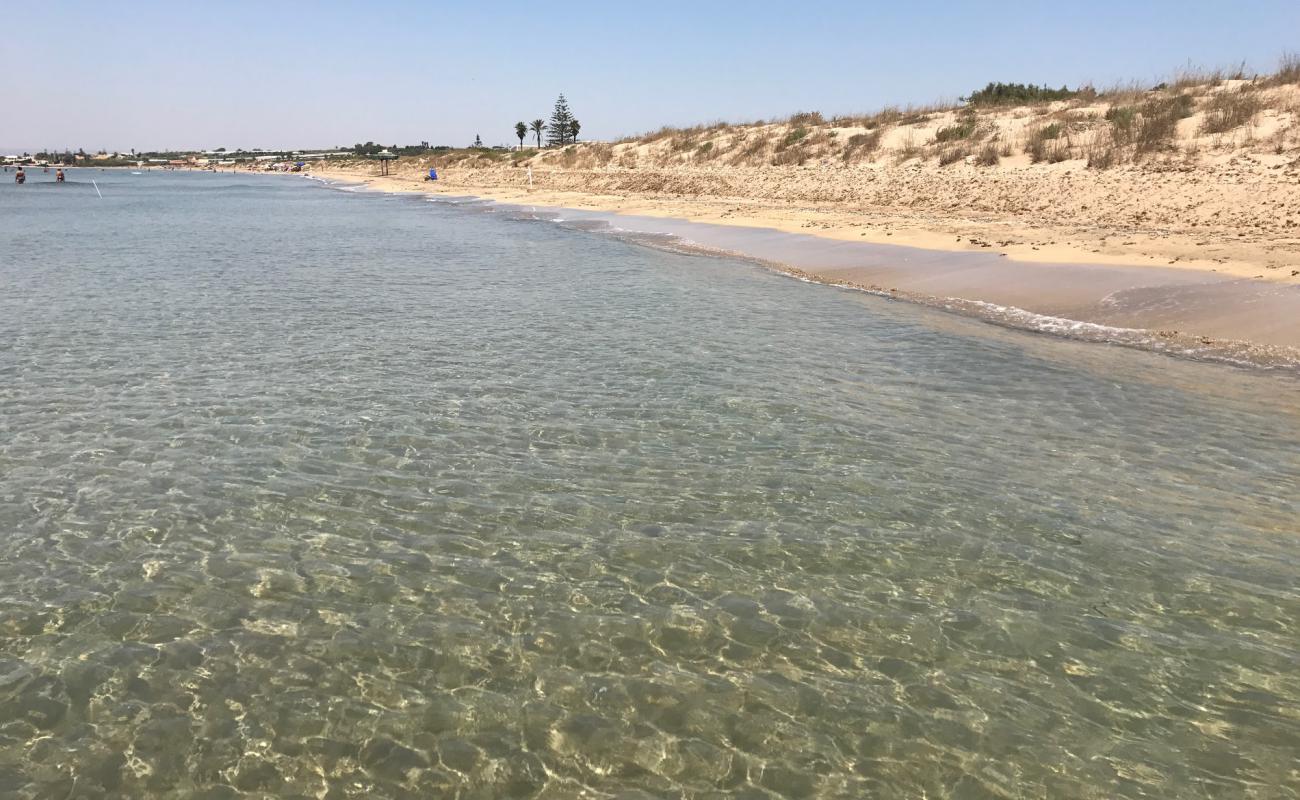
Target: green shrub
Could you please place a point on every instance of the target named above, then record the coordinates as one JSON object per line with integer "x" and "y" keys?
{"x": 792, "y": 138}
{"x": 1122, "y": 117}
{"x": 1158, "y": 122}
{"x": 1007, "y": 94}
{"x": 953, "y": 133}
{"x": 1043, "y": 145}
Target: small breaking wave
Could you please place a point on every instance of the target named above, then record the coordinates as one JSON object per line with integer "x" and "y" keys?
{"x": 1174, "y": 343}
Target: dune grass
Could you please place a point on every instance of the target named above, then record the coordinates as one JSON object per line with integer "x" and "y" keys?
{"x": 1231, "y": 109}
{"x": 964, "y": 129}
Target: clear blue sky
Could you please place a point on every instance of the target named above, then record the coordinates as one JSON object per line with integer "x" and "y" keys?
{"x": 155, "y": 75}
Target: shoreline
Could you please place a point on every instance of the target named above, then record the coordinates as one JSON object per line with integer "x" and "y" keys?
{"x": 1020, "y": 241}
{"x": 1211, "y": 315}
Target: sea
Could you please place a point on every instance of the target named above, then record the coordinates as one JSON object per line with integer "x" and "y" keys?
{"x": 308, "y": 491}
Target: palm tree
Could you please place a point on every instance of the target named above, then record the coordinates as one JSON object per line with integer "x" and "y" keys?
{"x": 574, "y": 127}
{"x": 537, "y": 127}
{"x": 521, "y": 130}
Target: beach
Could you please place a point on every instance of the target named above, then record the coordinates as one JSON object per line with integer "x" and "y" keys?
{"x": 1261, "y": 240}
{"x": 1219, "y": 286}
{"x": 1173, "y": 210}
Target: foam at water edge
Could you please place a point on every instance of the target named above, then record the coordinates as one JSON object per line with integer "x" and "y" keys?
{"x": 1225, "y": 351}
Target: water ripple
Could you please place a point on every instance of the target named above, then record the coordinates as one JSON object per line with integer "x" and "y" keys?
{"x": 339, "y": 496}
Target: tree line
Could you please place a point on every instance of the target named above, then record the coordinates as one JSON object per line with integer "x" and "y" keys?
{"x": 562, "y": 128}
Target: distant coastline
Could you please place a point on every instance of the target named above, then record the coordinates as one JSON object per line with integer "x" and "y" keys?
{"x": 1172, "y": 212}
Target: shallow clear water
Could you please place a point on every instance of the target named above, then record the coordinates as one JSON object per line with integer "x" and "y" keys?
{"x": 311, "y": 493}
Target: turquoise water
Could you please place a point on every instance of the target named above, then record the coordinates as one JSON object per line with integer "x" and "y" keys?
{"x": 310, "y": 493}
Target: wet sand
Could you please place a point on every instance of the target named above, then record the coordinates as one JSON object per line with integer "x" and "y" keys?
{"x": 1154, "y": 298}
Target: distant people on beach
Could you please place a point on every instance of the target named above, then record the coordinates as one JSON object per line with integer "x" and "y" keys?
{"x": 20, "y": 177}
{"x": 58, "y": 176}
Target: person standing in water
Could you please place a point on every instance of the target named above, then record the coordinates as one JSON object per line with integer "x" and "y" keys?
{"x": 20, "y": 177}
{"x": 58, "y": 176}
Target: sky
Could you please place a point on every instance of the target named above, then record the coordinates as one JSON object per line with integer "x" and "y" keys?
{"x": 273, "y": 74}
